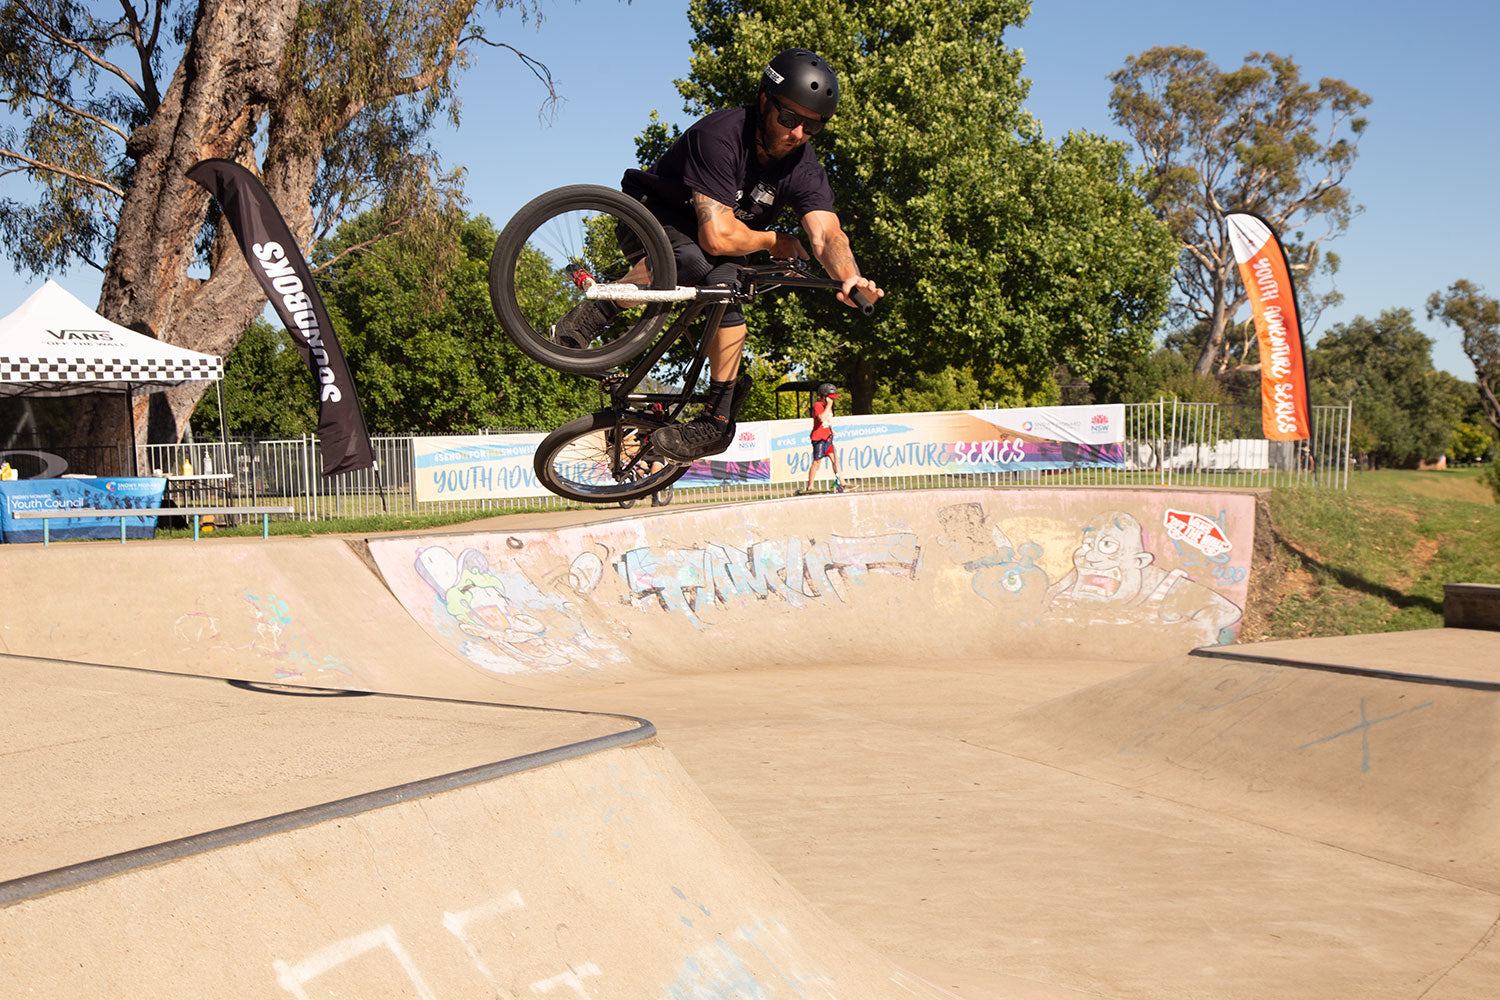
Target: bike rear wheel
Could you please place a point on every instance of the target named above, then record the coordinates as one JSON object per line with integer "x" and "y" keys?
{"x": 582, "y": 460}
{"x": 555, "y": 245}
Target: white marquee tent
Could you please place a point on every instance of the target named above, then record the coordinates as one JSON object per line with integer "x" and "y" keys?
{"x": 54, "y": 345}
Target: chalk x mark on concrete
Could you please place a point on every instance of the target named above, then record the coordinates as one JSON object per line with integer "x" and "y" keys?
{"x": 572, "y": 979}
{"x": 457, "y": 924}
{"x": 1365, "y": 722}
{"x": 293, "y": 978}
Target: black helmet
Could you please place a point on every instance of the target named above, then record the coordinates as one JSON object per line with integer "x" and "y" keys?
{"x": 828, "y": 389}
{"x": 802, "y": 76}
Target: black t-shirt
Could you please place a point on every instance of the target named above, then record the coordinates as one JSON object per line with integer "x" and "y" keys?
{"x": 716, "y": 157}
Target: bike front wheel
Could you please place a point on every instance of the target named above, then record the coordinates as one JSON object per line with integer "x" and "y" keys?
{"x": 558, "y": 244}
{"x": 603, "y": 458}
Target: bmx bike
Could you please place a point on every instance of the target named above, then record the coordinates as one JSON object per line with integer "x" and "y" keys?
{"x": 588, "y": 242}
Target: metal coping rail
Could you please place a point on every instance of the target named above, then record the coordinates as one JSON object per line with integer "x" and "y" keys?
{"x": 1377, "y": 673}
{"x": 56, "y": 880}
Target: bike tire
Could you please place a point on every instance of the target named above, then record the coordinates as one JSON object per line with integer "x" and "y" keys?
{"x": 577, "y": 461}
{"x": 585, "y": 228}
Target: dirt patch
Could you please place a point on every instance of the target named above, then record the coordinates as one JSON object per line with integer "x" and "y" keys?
{"x": 1422, "y": 553}
{"x": 1268, "y": 570}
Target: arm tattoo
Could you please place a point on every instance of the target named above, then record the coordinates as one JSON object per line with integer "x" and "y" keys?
{"x": 837, "y": 259}
{"x": 707, "y": 209}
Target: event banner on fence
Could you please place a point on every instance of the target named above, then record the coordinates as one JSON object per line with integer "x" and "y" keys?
{"x": 63, "y": 495}
{"x": 967, "y": 442}
{"x": 476, "y": 468}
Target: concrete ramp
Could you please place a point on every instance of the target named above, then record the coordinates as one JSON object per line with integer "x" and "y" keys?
{"x": 1382, "y": 745}
{"x": 601, "y": 877}
{"x": 595, "y": 872}
{"x": 963, "y": 722}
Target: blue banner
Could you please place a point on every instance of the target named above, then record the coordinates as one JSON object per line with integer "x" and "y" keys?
{"x": 62, "y": 495}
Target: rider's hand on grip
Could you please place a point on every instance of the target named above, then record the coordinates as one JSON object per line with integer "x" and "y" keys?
{"x": 865, "y": 305}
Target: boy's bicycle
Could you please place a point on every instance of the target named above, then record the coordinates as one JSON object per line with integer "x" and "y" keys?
{"x": 588, "y": 243}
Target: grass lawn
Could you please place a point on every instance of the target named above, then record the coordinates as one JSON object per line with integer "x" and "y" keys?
{"x": 1375, "y": 559}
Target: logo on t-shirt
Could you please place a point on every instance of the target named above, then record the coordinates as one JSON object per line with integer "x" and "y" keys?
{"x": 762, "y": 195}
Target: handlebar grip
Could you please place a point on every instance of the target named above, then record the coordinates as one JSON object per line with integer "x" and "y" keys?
{"x": 865, "y": 305}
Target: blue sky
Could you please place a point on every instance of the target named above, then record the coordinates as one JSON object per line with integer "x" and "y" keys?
{"x": 1426, "y": 164}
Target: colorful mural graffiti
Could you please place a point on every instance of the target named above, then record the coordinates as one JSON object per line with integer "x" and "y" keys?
{"x": 1048, "y": 563}
{"x": 687, "y": 580}
{"x": 1118, "y": 574}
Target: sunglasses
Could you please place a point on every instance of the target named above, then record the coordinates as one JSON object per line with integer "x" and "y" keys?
{"x": 791, "y": 119}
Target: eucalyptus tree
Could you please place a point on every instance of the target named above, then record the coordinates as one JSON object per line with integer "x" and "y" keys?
{"x": 1477, "y": 317}
{"x": 1404, "y": 408}
{"x": 111, "y": 102}
{"x": 1256, "y": 138}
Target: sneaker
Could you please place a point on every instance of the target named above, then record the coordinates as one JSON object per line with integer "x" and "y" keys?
{"x": 704, "y": 435}
{"x": 583, "y": 323}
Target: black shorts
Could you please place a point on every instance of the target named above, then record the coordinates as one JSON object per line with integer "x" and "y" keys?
{"x": 694, "y": 266}
{"x": 821, "y": 449}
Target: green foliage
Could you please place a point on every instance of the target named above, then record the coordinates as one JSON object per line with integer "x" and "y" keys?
{"x": 654, "y": 141}
{"x": 268, "y": 391}
{"x": 1141, "y": 377}
{"x": 1404, "y": 409}
{"x": 1492, "y": 479}
{"x": 1477, "y": 316}
{"x": 1000, "y": 252}
{"x": 423, "y": 342}
{"x": 930, "y": 392}
{"x": 1470, "y": 443}
{"x": 1255, "y": 138}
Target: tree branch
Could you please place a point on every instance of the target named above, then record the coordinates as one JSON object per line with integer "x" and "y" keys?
{"x": 538, "y": 69}
{"x": 355, "y": 248}
{"x": 71, "y": 109}
{"x": 144, "y": 48}
{"x": 53, "y": 168}
{"x": 81, "y": 49}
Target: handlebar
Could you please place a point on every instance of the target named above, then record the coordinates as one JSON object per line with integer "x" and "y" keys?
{"x": 790, "y": 271}
{"x": 866, "y": 307}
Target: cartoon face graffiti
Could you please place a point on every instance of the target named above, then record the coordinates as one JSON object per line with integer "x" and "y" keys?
{"x": 1015, "y": 582}
{"x": 1110, "y": 563}
{"x": 475, "y": 597}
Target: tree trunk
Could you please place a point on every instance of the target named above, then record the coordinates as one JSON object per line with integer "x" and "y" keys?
{"x": 1218, "y": 331}
{"x": 228, "y": 75}
{"x": 1490, "y": 404}
{"x": 862, "y": 386}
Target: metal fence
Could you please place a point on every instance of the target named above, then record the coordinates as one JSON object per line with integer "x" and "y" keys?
{"x": 1167, "y": 443}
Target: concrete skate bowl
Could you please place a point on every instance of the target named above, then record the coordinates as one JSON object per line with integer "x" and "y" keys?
{"x": 933, "y": 578}
{"x": 902, "y": 701}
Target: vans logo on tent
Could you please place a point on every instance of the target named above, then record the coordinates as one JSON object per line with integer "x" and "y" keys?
{"x": 104, "y": 335}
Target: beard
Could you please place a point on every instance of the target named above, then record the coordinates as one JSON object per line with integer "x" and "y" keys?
{"x": 765, "y": 139}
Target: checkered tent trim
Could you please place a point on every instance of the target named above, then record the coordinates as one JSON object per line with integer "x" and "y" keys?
{"x": 110, "y": 369}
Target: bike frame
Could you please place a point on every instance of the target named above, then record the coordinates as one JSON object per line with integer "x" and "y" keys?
{"x": 621, "y": 386}
{"x": 751, "y": 281}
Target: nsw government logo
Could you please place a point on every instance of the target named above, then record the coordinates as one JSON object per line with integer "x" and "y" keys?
{"x": 1100, "y": 424}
